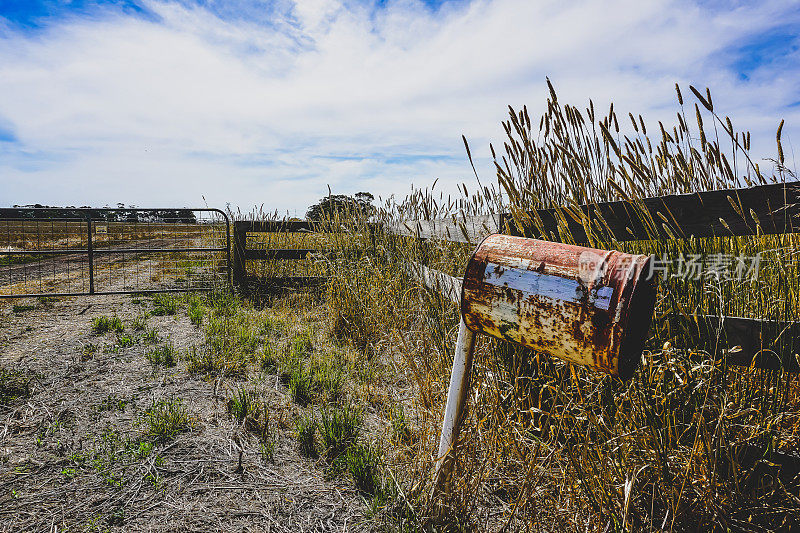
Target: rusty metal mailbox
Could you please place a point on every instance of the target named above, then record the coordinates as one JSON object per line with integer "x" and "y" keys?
{"x": 586, "y": 306}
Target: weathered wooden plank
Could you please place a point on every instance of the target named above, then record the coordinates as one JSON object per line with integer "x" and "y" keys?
{"x": 265, "y": 254}
{"x": 273, "y": 226}
{"x": 774, "y": 208}
{"x": 285, "y": 282}
{"x": 456, "y": 229}
{"x": 437, "y": 281}
{"x": 766, "y": 344}
{"x": 277, "y": 254}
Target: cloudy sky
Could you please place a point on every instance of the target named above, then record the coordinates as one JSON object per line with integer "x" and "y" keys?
{"x": 250, "y": 102}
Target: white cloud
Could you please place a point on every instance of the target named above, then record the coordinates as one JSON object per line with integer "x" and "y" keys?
{"x": 162, "y": 111}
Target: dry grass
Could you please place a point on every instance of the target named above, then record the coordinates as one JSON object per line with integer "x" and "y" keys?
{"x": 685, "y": 445}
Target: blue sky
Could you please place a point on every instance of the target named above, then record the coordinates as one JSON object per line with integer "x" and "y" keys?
{"x": 268, "y": 102}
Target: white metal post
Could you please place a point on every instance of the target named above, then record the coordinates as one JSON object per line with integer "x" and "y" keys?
{"x": 456, "y": 403}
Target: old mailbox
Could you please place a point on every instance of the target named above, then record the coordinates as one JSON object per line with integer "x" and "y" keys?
{"x": 586, "y": 306}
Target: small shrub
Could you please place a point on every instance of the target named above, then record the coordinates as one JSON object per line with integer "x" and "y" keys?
{"x": 19, "y": 308}
{"x": 104, "y": 324}
{"x": 164, "y": 305}
{"x": 306, "y": 428}
{"x": 339, "y": 429}
{"x": 163, "y": 355}
{"x": 165, "y": 419}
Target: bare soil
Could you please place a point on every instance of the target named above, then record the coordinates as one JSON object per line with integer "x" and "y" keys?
{"x": 68, "y": 458}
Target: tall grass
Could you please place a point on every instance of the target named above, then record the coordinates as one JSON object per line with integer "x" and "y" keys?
{"x": 556, "y": 446}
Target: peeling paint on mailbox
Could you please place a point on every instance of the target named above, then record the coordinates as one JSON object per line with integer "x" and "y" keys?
{"x": 587, "y": 306}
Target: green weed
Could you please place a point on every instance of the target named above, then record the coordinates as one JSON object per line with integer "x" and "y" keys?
{"x": 151, "y": 336}
{"x": 124, "y": 341}
{"x": 306, "y": 431}
{"x": 14, "y": 385}
{"x": 163, "y": 355}
{"x": 165, "y": 419}
{"x": 362, "y": 463}
{"x": 104, "y": 324}
{"x": 164, "y": 305}
{"x": 401, "y": 433}
{"x": 243, "y": 403}
{"x": 139, "y": 323}
{"x": 339, "y": 429}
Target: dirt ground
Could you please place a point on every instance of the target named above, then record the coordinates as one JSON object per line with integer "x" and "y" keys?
{"x": 68, "y": 452}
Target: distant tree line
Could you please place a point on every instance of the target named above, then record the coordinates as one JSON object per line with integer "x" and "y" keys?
{"x": 121, "y": 213}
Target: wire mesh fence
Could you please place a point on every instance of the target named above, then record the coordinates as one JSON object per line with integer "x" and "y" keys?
{"x": 51, "y": 252}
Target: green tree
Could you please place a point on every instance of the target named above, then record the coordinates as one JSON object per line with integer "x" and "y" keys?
{"x": 342, "y": 205}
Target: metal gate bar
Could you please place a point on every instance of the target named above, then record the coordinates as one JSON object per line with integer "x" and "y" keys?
{"x": 93, "y": 218}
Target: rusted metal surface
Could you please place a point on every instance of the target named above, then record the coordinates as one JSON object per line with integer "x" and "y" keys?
{"x": 587, "y": 306}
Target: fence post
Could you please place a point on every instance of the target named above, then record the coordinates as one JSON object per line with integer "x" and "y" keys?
{"x": 90, "y": 251}
{"x": 456, "y": 404}
{"x": 239, "y": 246}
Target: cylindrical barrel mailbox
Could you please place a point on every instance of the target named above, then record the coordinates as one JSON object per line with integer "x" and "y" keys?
{"x": 587, "y": 306}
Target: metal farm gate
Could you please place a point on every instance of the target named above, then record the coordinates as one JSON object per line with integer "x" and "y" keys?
{"x": 83, "y": 251}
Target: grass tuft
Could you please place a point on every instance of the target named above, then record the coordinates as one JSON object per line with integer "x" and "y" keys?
{"x": 164, "y": 355}
{"x": 339, "y": 429}
{"x": 306, "y": 432}
{"x": 104, "y": 324}
{"x": 165, "y": 419}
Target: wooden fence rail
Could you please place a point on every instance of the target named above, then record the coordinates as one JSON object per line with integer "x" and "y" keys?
{"x": 762, "y": 210}
{"x": 242, "y": 254}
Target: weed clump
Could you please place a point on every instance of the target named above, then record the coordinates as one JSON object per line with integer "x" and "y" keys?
{"x": 243, "y": 403}
{"x": 139, "y": 323}
{"x": 104, "y": 324}
{"x": 195, "y": 310}
{"x": 164, "y": 305}
{"x": 339, "y": 429}
{"x": 150, "y": 336}
{"x": 164, "y": 355}
{"x": 165, "y": 419}
{"x": 306, "y": 431}
{"x": 14, "y": 385}
{"x": 362, "y": 462}
{"x": 401, "y": 432}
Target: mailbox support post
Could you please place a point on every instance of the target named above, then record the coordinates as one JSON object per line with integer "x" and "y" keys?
{"x": 456, "y": 403}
